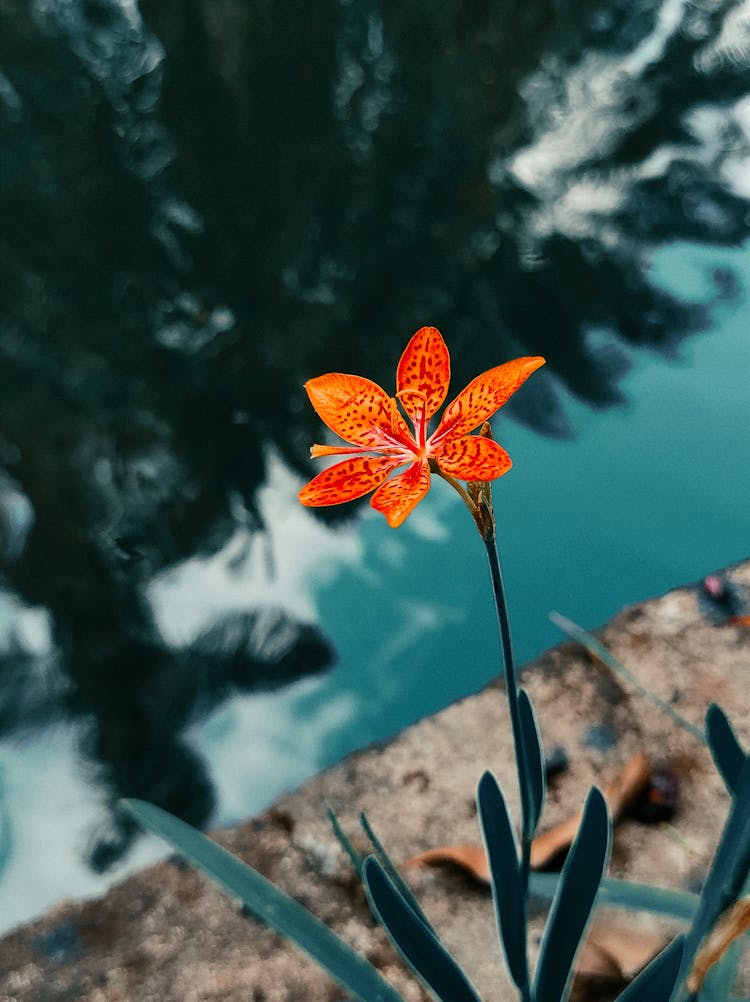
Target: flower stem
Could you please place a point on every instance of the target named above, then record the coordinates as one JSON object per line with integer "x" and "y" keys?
{"x": 511, "y": 688}
{"x": 478, "y": 499}
{"x": 479, "y": 502}
{"x": 489, "y": 539}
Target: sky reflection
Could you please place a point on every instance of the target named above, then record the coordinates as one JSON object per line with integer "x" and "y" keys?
{"x": 409, "y": 611}
{"x": 411, "y": 616}
{"x": 189, "y": 234}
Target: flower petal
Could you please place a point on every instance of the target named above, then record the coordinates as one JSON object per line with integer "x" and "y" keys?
{"x": 483, "y": 396}
{"x": 347, "y": 481}
{"x": 397, "y": 497}
{"x": 358, "y": 410}
{"x": 473, "y": 458}
{"x": 423, "y": 374}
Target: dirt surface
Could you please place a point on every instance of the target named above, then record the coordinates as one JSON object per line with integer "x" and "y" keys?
{"x": 167, "y": 934}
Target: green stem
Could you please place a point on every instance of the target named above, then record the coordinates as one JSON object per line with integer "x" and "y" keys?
{"x": 511, "y": 688}
{"x": 479, "y": 502}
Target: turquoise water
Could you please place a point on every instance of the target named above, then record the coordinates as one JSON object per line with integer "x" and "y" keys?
{"x": 645, "y": 497}
{"x": 188, "y": 236}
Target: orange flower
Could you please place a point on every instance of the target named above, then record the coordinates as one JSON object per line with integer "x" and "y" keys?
{"x": 363, "y": 414}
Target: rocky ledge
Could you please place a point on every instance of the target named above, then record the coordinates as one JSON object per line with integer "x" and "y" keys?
{"x": 168, "y": 934}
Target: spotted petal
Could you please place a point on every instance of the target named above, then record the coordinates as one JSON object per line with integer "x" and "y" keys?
{"x": 483, "y": 396}
{"x": 358, "y": 410}
{"x": 398, "y": 496}
{"x": 473, "y": 458}
{"x": 423, "y": 375}
{"x": 348, "y": 480}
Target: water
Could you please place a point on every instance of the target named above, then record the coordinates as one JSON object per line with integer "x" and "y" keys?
{"x": 204, "y": 207}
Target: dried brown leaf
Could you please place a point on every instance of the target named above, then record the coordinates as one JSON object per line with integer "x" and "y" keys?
{"x": 731, "y": 925}
{"x": 620, "y": 793}
{"x": 472, "y": 859}
{"x": 628, "y": 949}
{"x": 737, "y": 621}
{"x": 610, "y": 958}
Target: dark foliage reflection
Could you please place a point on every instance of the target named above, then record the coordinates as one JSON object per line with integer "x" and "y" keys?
{"x": 205, "y": 207}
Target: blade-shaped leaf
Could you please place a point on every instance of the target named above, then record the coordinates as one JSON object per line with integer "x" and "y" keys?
{"x": 572, "y": 905}
{"x": 720, "y": 978}
{"x": 627, "y": 894}
{"x": 726, "y": 750}
{"x": 354, "y": 857}
{"x": 390, "y": 868}
{"x": 536, "y": 775}
{"x": 599, "y": 651}
{"x": 277, "y": 909}
{"x": 646, "y": 897}
{"x": 656, "y": 981}
{"x": 507, "y": 890}
{"x": 418, "y": 946}
{"x": 729, "y": 868}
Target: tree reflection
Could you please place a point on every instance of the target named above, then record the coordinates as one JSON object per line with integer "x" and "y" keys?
{"x": 203, "y": 210}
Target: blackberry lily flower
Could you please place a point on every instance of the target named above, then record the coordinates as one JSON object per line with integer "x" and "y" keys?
{"x": 362, "y": 413}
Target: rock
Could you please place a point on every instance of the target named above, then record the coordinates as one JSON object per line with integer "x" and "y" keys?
{"x": 168, "y": 934}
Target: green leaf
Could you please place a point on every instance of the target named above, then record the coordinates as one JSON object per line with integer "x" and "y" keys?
{"x": 646, "y": 897}
{"x": 599, "y": 651}
{"x": 729, "y": 868}
{"x": 269, "y": 904}
{"x": 656, "y": 981}
{"x": 720, "y": 979}
{"x": 532, "y": 743}
{"x": 573, "y": 903}
{"x": 726, "y": 750}
{"x": 417, "y": 944}
{"x": 396, "y": 878}
{"x": 354, "y": 857}
{"x": 628, "y": 894}
{"x": 507, "y": 890}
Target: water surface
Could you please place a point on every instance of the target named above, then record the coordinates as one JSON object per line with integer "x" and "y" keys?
{"x": 205, "y": 204}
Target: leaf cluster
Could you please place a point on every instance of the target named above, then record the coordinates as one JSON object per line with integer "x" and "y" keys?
{"x": 575, "y": 893}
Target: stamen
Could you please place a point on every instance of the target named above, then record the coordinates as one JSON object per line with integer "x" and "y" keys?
{"x": 337, "y": 450}
{"x": 419, "y": 422}
{"x": 394, "y": 440}
{"x": 435, "y": 439}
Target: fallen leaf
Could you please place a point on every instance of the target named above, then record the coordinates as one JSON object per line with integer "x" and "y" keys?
{"x": 620, "y": 793}
{"x": 611, "y": 956}
{"x": 595, "y": 961}
{"x": 627, "y": 949}
{"x": 737, "y": 621}
{"x": 470, "y": 858}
